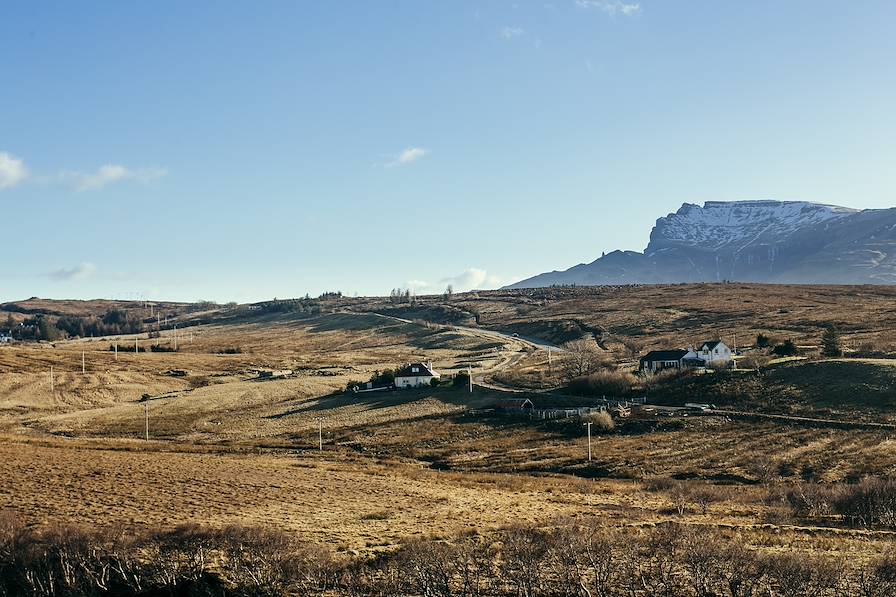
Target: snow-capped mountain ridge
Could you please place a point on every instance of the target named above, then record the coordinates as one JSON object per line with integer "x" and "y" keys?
{"x": 751, "y": 241}
{"x": 718, "y": 224}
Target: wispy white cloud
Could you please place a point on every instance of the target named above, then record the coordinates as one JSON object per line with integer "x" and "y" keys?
{"x": 12, "y": 170}
{"x": 472, "y": 278}
{"x": 508, "y": 32}
{"x": 111, "y": 173}
{"x": 408, "y": 156}
{"x": 79, "y": 272}
{"x": 613, "y": 7}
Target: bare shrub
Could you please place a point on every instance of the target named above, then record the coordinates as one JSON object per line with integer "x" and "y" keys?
{"x": 602, "y": 421}
{"x": 607, "y": 382}
{"x": 739, "y": 571}
{"x": 869, "y": 503}
{"x": 810, "y": 499}
{"x": 581, "y": 357}
{"x": 473, "y": 564}
{"x": 652, "y": 380}
{"x": 524, "y": 551}
{"x": 599, "y": 548}
{"x": 754, "y": 360}
{"x": 426, "y": 567}
{"x": 650, "y": 565}
{"x": 876, "y": 579}
{"x": 797, "y": 575}
{"x": 268, "y": 562}
{"x": 657, "y": 484}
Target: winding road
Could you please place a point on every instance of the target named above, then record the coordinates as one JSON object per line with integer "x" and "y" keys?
{"x": 522, "y": 342}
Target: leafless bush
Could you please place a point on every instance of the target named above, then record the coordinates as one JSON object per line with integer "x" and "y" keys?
{"x": 602, "y": 421}
{"x": 877, "y": 579}
{"x": 739, "y": 571}
{"x": 869, "y": 503}
{"x": 651, "y": 566}
{"x": 607, "y": 382}
{"x": 754, "y": 360}
{"x": 524, "y": 553}
{"x": 581, "y": 357}
{"x": 686, "y": 495}
{"x": 266, "y": 562}
{"x": 810, "y": 499}
{"x": 798, "y": 575}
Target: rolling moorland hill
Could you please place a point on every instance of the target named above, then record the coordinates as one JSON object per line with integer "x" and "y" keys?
{"x": 791, "y": 242}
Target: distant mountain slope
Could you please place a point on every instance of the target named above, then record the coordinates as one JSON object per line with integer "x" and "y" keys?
{"x": 751, "y": 241}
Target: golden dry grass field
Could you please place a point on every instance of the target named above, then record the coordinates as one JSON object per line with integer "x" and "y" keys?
{"x": 228, "y": 446}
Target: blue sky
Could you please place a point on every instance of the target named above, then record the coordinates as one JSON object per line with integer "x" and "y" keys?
{"x": 242, "y": 151}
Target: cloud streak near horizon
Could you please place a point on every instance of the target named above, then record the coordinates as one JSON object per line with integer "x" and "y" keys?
{"x": 472, "y": 278}
{"x": 83, "y": 270}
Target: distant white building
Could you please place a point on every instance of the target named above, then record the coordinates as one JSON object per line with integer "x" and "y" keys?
{"x": 4, "y": 339}
{"x": 415, "y": 375}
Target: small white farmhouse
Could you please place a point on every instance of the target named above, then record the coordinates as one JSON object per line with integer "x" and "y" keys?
{"x": 415, "y": 375}
{"x": 714, "y": 353}
{"x": 4, "y": 339}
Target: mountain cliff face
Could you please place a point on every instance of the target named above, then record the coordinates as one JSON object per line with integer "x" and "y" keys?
{"x": 751, "y": 241}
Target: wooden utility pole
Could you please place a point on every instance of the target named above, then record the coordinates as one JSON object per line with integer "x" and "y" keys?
{"x": 146, "y": 420}
{"x": 116, "y": 351}
{"x": 83, "y": 366}
{"x": 588, "y": 425}
{"x": 470, "y": 376}
{"x": 175, "y": 337}
{"x": 52, "y": 381}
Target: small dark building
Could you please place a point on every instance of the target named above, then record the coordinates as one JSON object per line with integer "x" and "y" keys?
{"x": 657, "y": 360}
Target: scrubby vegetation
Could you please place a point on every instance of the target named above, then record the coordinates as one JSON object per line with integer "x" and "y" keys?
{"x": 608, "y": 382}
{"x": 567, "y": 559}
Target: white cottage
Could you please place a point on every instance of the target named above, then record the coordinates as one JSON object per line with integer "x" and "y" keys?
{"x": 714, "y": 353}
{"x": 415, "y": 375}
{"x": 4, "y": 339}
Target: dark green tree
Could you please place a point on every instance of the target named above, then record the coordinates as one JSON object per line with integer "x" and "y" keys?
{"x": 830, "y": 342}
{"x": 46, "y": 330}
{"x": 787, "y": 349}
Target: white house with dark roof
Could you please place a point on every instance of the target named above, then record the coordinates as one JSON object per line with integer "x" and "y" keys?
{"x": 714, "y": 353}
{"x": 657, "y": 360}
{"x": 415, "y": 375}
